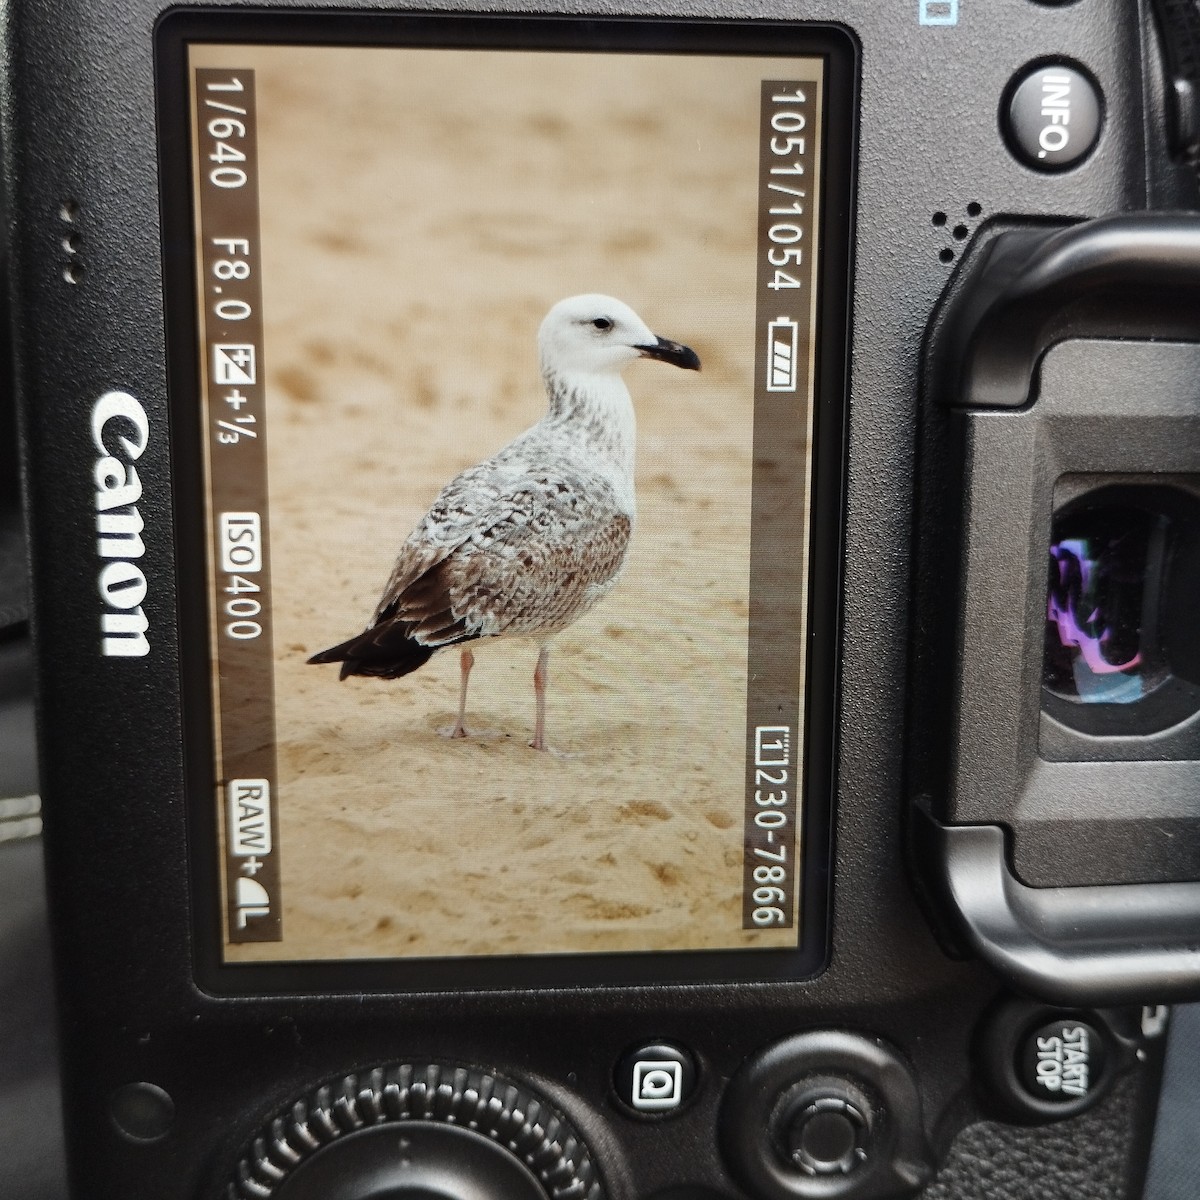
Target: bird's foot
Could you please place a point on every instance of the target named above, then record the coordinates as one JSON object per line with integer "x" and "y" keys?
{"x": 538, "y": 743}
{"x": 459, "y": 732}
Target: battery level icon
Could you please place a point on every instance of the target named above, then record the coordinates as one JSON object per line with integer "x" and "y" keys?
{"x": 783, "y": 338}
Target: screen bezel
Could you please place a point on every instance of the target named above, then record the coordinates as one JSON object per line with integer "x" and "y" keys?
{"x": 652, "y": 35}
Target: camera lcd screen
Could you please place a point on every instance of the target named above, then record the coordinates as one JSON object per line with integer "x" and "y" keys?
{"x": 506, "y": 408}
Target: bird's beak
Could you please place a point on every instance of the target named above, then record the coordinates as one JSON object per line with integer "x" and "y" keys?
{"x": 671, "y": 352}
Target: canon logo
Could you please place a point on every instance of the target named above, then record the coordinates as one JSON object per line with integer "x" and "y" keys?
{"x": 120, "y": 430}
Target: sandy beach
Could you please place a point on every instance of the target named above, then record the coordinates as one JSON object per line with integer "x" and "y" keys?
{"x": 410, "y": 253}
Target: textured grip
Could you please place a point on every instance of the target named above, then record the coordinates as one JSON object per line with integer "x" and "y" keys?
{"x": 1096, "y": 1156}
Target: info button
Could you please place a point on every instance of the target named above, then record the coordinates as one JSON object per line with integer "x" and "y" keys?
{"x": 1052, "y": 116}
{"x": 655, "y": 1079}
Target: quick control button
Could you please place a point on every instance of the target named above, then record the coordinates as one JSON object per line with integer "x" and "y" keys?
{"x": 1063, "y": 1061}
{"x": 827, "y": 1137}
{"x": 655, "y": 1079}
{"x": 1052, "y": 116}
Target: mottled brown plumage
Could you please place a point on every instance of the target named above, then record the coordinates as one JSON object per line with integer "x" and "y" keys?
{"x": 524, "y": 544}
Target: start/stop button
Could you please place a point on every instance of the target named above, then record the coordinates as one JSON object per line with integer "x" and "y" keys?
{"x": 1063, "y": 1061}
{"x": 1052, "y": 116}
{"x": 1040, "y": 1064}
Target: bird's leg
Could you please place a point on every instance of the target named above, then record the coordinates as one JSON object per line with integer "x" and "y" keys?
{"x": 466, "y": 662}
{"x": 541, "y": 676}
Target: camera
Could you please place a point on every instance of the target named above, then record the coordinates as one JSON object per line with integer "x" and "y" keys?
{"x": 614, "y": 591}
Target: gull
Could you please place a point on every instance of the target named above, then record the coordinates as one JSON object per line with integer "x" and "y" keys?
{"x": 526, "y": 542}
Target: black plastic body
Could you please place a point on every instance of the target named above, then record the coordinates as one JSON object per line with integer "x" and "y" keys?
{"x": 80, "y": 130}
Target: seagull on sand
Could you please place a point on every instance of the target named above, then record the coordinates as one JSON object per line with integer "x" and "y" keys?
{"x": 524, "y": 544}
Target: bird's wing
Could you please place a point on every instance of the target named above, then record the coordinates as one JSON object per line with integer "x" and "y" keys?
{"x": 530, "y": 561}
{"x": 464, "y": 505}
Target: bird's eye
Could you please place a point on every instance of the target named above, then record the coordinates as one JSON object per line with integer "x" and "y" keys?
{"x": 603, "y": 324}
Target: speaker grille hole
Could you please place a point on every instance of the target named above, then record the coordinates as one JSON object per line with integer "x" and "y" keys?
{"x": 959, "y": 229}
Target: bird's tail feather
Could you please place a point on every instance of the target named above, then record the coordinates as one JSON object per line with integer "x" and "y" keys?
{"x": 385, "y": 652}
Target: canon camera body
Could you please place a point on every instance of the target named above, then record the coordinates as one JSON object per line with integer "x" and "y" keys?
{"x": 614, "y": 589}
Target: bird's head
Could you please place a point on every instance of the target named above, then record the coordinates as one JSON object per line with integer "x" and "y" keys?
{"x": 599, "y": 335}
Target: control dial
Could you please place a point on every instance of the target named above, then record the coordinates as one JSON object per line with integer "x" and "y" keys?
{"x": 426, "y": 1131}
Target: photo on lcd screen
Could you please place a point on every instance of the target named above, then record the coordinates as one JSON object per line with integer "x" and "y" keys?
{"x": 406, "y": 258}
